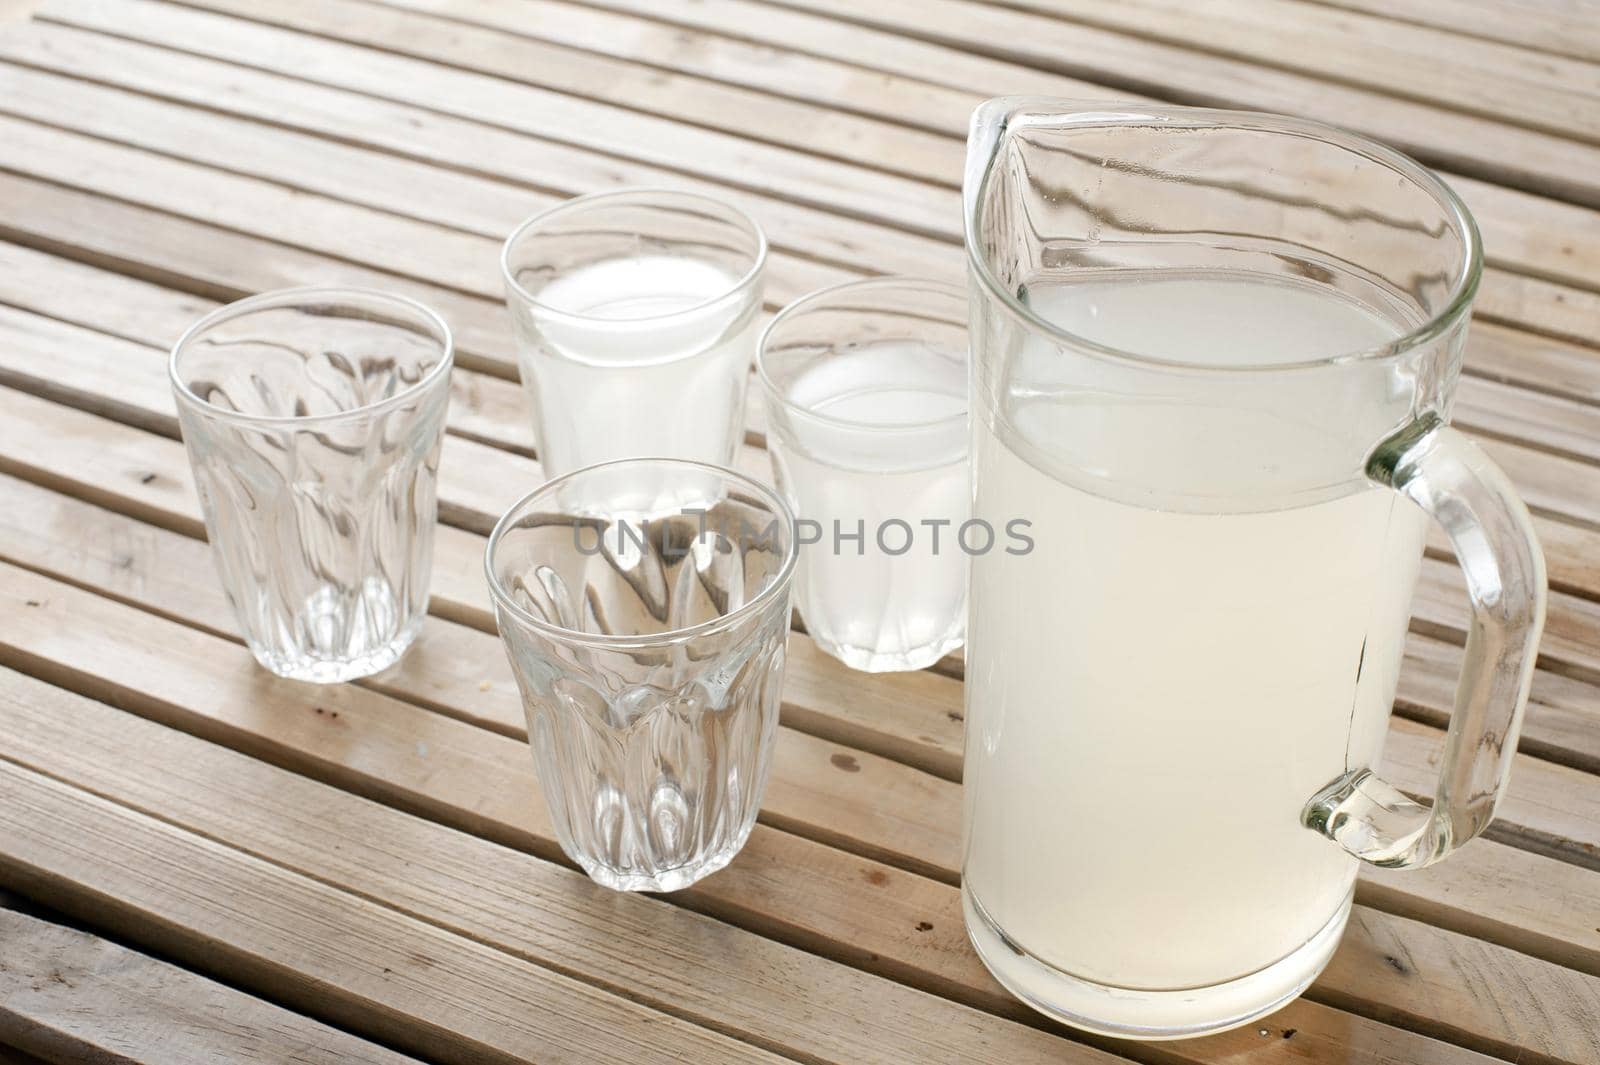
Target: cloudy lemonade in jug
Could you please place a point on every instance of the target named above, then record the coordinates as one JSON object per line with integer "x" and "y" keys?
{"x": 1156, "y": 690}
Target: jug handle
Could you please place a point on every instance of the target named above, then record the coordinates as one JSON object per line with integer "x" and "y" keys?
{"x": 1451, "y": 478}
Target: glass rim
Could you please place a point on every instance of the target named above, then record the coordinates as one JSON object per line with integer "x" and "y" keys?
{"x": 587, "y": 200}
{"x": 808, "y": 302}
{"x": 993, "y": 118}
{"x": 779, "y": 582}
{"x": 289, "y": 297}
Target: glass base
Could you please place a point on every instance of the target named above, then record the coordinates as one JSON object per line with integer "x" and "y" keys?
{"x": 1128, "y": 1013}
{"x": 674, "y": 879}
{"x": 869, "y": 661}
{"x": 337, "y": 670}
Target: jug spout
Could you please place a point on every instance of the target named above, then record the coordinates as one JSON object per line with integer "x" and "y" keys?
{"x": 984, "y": 134}
{"x": 997, "y": 121}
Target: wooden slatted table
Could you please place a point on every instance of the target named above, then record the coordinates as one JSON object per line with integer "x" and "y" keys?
{"x": 208, "y": 864}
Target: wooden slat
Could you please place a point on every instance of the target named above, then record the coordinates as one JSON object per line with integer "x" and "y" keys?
{"x": 1498, "y": 81}
{"x": 1570, "y": 27}
{"x": 1551, "y": 423}
{"x": 1514, "y": 357}
{"x": 389, "y": 183}
{"x": 327, "y": 952}
{"x": 1538, "y": 306}
{"x": 468, "y": 203}
{"x": 484, "y": 892}
{"x": 66, "y": 995}
{"x": 467, "y": 263}
{"x": 111, "y": 234}
{"x": 1447, "y": 978}
{"x": 1571, "y": 640}
{"x": 459, "y": 261}
{"x": 1524, "y": 232}
{"x": 1563, "y": 716}
{"x": 1478, "y": 147}
{"x": 1532, "y": 362}
{"x": 780, "y": 71}
{"x": 591, "y": 74}
{"x": 435, "y": 776}
{"x": 520, "y": 160}
{"x": 861, "y": 46}
{"x": 601, "y": 127}
{"x": 1531, "y": 903}
{"x": 1527, "y": 233}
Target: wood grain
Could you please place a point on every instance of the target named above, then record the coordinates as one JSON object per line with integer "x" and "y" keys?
{"x": 520, "y": 161}
{"x": 463, "y": 262}
{"x": 68, "y": 996}
{"x": 331, "y": 954}
{"x": 555, "y": 115}
{"x": 1469, "y": 144}
{"x": 1571, "y": 27}
{"x": 1529, "y": 233}
{"x": 1487, "y": 78}
{"x": 1524, "y": 233}
{"x": 1512, "y": 411}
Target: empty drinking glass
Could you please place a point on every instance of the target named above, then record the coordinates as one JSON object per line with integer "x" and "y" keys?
{"x": 867, "y": 428}
{"x": 313, "y": 419}
{"x": 644, "y": 605}
{"x": 635, "y": 316}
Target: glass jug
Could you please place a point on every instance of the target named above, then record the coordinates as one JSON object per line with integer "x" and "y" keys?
{"x": 1213, "y": 360}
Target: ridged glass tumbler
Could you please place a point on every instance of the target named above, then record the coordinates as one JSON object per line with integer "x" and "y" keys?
{"x": 644, "y": 606}
{"x": 313, "y": 420}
